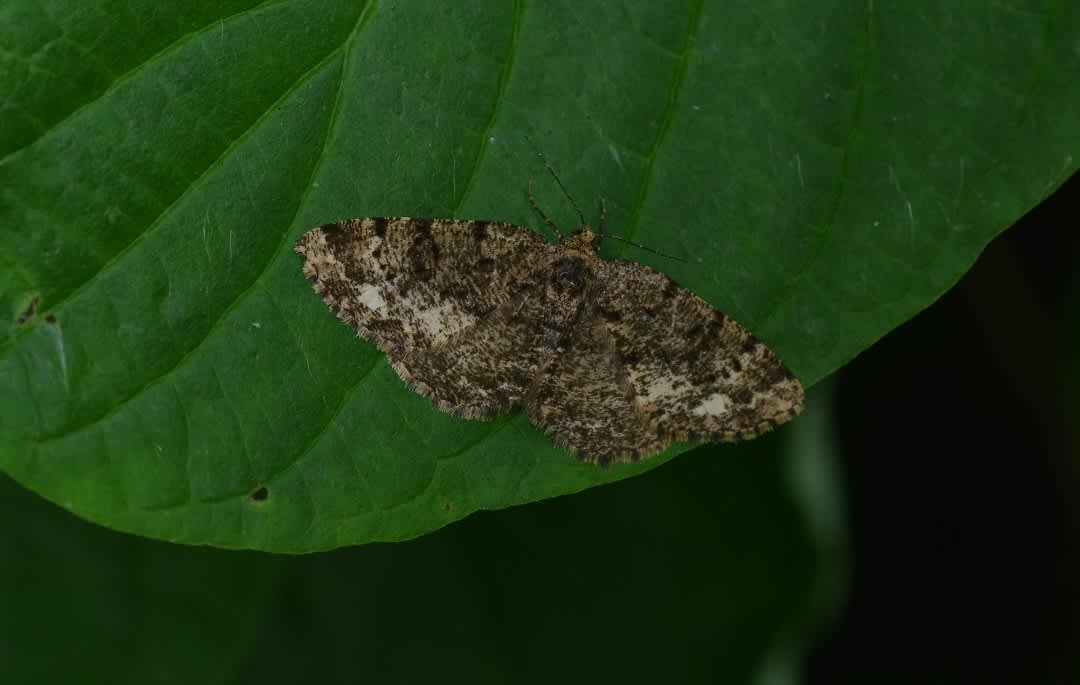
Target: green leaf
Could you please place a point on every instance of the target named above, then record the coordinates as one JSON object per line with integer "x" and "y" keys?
{"x": 708, "y": 565}
{"x": 827, "y": 169}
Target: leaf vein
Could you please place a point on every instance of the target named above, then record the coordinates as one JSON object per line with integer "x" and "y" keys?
{"x": 317, "y": 437}
{"x": 829, "y": 226}
{"x": 500, "y": 98}
{"x": 134, "y": 71}
{"x": 165, "y": 213}
{"x": 243, "y": 294}
{"x": 668, "y": 115}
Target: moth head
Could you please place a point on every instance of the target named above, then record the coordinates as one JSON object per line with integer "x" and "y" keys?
{"x": 583, "y": 238}
{"x": 585, "y": 232}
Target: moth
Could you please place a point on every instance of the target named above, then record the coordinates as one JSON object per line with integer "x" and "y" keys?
{"x": 611, "y": 359}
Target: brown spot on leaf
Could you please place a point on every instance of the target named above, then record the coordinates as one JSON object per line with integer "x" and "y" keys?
{"x": 29, "y": 311}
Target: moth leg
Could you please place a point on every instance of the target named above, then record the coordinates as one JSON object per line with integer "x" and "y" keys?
{"x": 600, "y": 224}
{"x": 536, "y": 208}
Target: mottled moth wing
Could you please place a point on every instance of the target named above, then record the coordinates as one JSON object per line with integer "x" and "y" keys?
{"x": 486, "y": 368}
{"x": 650, "y": 363}
{"x": 448, "y": 301}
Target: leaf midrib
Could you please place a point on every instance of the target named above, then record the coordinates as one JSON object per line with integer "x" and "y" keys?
{"x": 275, "y": 255}
{"x": 134, "y": 71}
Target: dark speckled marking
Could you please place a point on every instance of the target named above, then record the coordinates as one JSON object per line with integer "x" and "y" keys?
{"x": 611, "y": 315}
{"x": 333, "y": 229}
{"x": 29, "y": 311}
{"x": 380, "y": 226}
{"x": 421, "y": 228}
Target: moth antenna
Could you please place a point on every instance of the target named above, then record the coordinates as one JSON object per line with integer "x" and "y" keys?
{"x": 642, "y": 247}
{"x": 581, "y": 215}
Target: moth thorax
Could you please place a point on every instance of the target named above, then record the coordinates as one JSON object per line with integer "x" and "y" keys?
{"x": 570, "y": 274}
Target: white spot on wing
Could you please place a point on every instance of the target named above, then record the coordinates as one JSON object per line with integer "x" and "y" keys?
{"x": 372, "y": 298}
{"x": 444, "y": 320}
{"x": 665, "y": 387}
{"x": 714, "y": 405}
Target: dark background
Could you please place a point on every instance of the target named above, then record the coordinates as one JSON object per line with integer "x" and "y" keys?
{"x": 961, "y": 457}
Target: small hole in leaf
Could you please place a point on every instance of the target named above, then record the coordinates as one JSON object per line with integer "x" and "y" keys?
{"x": 259, "y": 494}
{"x": 50, "y": 318}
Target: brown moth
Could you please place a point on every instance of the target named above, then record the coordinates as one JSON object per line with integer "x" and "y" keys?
{"x": 613, "y": 360}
